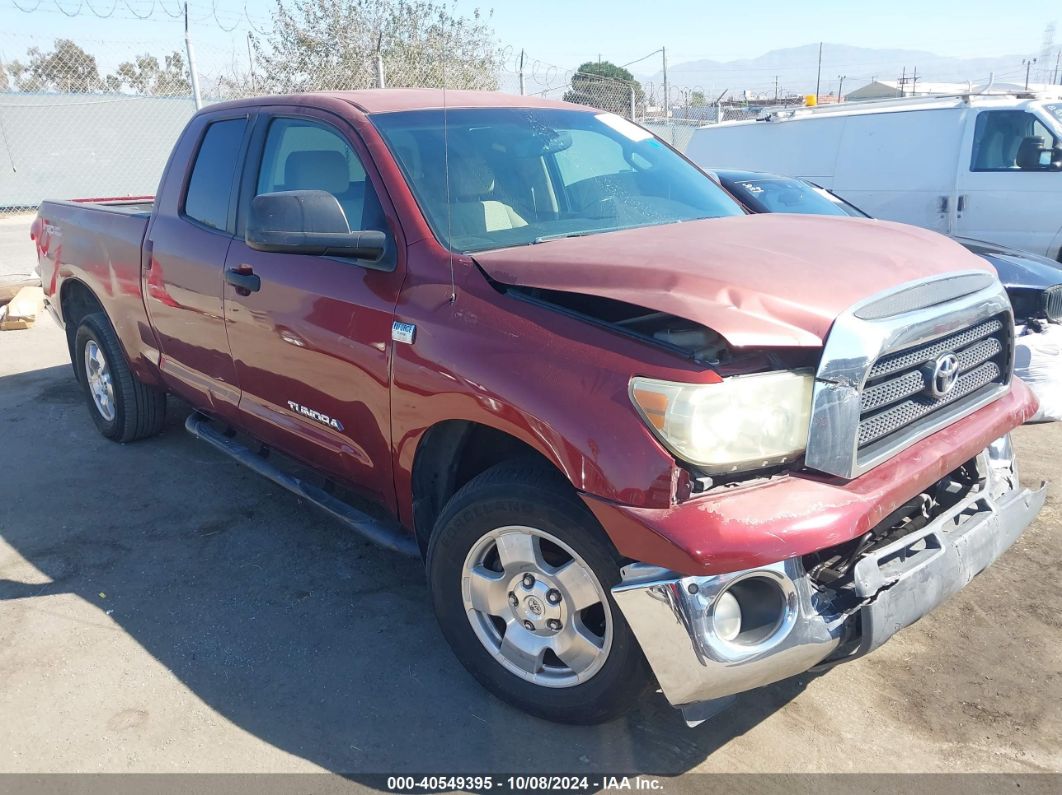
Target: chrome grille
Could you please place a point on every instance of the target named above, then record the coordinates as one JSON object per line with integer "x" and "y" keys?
{"x": 898, "y": 389}
{"x": 1053, "y": 303}
{"x": 929, "y": 352}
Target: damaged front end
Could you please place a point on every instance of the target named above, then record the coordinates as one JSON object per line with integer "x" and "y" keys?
{"x": 708, "y": 638}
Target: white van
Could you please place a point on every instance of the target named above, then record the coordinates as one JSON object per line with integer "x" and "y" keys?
{"x": 984, "y": 166}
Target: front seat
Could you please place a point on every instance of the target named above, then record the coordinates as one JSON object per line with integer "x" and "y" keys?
{"x": 474, "y": 212}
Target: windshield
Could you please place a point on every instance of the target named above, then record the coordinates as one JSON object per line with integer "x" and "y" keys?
{"x": 782, "y": 195}
{"x": 1054, "y": 114}
{"x": 519, "y": 176}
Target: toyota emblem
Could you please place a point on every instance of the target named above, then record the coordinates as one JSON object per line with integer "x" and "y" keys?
{"x": 945, "y": 375}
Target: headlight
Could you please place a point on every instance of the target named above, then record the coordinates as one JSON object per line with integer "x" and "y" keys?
{"x": 743, "y": 423}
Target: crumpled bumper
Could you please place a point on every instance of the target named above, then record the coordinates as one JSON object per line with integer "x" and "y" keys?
{"x": 791, "y": 623}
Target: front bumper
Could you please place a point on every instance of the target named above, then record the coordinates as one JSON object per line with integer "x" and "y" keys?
{"x": 800, "y": 623}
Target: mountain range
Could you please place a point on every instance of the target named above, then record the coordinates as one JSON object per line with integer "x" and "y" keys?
{"x": 795, "y": 69}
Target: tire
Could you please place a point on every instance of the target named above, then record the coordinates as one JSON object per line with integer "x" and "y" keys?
{"x": 123, "y": 408}
{"x": 516, "y": 501}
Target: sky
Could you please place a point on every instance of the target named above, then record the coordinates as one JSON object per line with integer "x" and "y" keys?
{"x": 563, "y": 33}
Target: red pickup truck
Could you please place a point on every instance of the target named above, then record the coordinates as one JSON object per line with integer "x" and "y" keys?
{"x": 637, "y": 435}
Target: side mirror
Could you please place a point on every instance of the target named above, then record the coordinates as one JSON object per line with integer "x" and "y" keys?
{"x": 309, "y": 222}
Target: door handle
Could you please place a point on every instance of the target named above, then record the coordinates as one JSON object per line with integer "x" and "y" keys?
{"x": 243, "y": 280}
{"x": 962, "y": 203}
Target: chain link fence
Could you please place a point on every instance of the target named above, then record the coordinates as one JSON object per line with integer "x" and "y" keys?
{"x": 73, "y": 128}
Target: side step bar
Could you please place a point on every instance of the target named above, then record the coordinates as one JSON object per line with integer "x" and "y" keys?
{"x": 390, "y": 535}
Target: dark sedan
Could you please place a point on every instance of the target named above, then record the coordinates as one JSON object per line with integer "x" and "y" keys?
{"x": 1034, "y": 283}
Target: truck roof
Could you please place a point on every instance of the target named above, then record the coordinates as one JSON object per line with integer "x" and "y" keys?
{"x": 898, "y": 105}
{"x": 390, "y": 100}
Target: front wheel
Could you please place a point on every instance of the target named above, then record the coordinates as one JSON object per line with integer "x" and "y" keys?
{"x": 520, "y": 574}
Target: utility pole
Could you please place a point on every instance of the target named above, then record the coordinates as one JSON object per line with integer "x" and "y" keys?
{"x": 818, "y": 77}
{"x": 250, "y": 61}
{"x": 840, "y": 86}
{"x": 776, "y": 88}
{"x": 1028, "y": 64}
{"x": 1058, "y": 61}
{"x": 521, "y": 73}
{"x": 903, "y": 82}
{"x": 667, "y": 102}
{"x": 381, "y": 81}
{"x": 191, "y": 62}
{"x": 914, "y": 82}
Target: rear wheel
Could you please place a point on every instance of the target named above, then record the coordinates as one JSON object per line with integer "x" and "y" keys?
{"x": 123, "y": 408}
{"x": 520, "y": 574}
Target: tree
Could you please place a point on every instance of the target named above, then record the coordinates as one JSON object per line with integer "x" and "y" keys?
{"x": 332, "y": 44}
{"x": 145, "y": 76}
{"x": 602, "y": 84}
{"x": 67, "y": 69}
{"x": 697, "y": 99}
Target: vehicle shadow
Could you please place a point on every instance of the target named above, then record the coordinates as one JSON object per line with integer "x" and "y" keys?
{"x": 286, "y": 624}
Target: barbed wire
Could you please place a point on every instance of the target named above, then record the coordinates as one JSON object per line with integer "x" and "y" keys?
{"x": 129, "y": 6}
{"x": 108, "y": 15}
{"x": 80, "y": 5}
{"x": 197, "y": 13}
{"x": 218, "y": 21}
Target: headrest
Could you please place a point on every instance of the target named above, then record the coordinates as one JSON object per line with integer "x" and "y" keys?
{"x": 470, "y": 178}
{"x": 320, "y": 169}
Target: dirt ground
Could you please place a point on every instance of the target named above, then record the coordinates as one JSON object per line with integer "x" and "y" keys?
{"x": 163, "y": 609}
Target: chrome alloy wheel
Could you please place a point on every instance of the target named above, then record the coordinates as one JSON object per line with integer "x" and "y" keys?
{"x": 100, "y": 383}
{"x": 537, "y": 606}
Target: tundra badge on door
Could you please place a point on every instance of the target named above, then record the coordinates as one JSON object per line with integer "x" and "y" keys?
{"x": 324, "y": 419}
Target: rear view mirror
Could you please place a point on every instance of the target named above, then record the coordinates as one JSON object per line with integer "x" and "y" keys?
{"x": 309, "y": 222}
{"x": 544, "y": 142}
{"x": 1035, "y": 155}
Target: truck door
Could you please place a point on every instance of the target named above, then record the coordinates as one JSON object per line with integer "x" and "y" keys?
{"x": 186, "y": 245}
{"x": 1009, "y": 190}
{"x": 311, "y": 345}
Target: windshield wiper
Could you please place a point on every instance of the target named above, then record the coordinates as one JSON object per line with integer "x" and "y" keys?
{"x": 562, "y": 235}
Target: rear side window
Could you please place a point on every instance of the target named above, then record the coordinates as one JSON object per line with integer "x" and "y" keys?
{"x": 590, "y": 157}
{"x": 210, "y": 188}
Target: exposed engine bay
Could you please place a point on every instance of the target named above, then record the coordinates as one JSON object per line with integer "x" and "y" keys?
{"x": 684, "y": 337}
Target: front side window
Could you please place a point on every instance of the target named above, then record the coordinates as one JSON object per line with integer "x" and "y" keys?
{"x": 210, "y": 186}
{"x": 1012, "y": 140}
{"x": 306, "y": 155}
{"x": 496, "y": 177}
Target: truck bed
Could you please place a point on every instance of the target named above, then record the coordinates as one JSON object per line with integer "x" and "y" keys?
{"x": 97, "y": 244}
{"x": 129, "y": 205}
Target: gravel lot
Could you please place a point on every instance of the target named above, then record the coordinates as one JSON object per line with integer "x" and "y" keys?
{"x": 163, "y": 609}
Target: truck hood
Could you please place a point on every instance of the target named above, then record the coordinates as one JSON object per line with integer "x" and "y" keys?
{"x": 767, "y": 280}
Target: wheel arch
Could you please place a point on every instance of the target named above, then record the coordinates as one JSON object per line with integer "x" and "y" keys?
{"x": 452, "y": 452}
{"x": 76, "y": 300}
